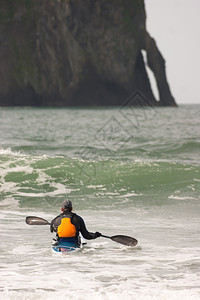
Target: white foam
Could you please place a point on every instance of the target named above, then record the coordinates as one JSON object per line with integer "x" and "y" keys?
{"x": 8, "y": 151}
{"x": 114, "y": 292}
{"x": 94, "y": 186}
{"x": 9, "y": 202}
{"x": 180, "y": 198}
{"x": 129, "y": 195}
{"x": 165, "y": 268}
{"x": 195, "y": 179}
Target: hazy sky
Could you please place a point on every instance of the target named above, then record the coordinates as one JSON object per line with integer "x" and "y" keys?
{"x": 175, "y": 25}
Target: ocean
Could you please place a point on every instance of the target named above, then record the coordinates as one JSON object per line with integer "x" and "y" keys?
{"x": 130, "y": 171}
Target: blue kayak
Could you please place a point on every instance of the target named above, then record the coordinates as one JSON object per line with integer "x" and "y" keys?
{"x": 64, "y": 247}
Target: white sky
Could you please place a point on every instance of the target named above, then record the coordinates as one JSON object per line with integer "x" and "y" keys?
{"x": 175, "y": 25}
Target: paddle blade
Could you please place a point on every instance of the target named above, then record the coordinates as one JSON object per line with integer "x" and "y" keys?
{"x": 36, "y": 221}
{"x": 125, "y": 240}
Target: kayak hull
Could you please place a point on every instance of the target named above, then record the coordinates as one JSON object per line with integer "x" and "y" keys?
{"x": 65, "y": 247}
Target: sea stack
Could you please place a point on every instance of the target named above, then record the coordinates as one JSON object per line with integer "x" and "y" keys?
{"x": 77, "y": 53}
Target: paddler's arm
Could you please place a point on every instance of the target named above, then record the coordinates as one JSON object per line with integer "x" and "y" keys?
{"x": 85, "y": 233}
{"x": 54, "y": 224}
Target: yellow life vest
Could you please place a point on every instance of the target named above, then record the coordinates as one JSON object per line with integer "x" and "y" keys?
{"x": 66, "y": 228}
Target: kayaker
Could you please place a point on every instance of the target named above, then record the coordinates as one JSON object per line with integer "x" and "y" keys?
{"x": 67, "y": 226}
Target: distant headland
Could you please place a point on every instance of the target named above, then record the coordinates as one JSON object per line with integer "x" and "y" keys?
{"x": 77, "y": 53}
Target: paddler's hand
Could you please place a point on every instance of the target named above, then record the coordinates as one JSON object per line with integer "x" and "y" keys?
{"x": 53, "y": 229}
{"x": 97, "y": 234}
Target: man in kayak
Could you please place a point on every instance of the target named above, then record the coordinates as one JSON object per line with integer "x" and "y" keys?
{"x": 67, "y": 226}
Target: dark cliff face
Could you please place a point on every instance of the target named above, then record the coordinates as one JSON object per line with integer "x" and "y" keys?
{"x": 66, "y": 52}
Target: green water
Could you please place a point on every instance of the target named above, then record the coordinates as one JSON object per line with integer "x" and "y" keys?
{"x": 133, "y": 171}
{"x": 48, "y": 153}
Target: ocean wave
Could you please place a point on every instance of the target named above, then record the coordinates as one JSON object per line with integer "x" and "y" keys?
{"x": 187, "y": 146}
{"x": 25, "y": 177}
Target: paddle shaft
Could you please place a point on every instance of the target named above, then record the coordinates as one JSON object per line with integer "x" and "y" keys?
{"x": 122, "y": 239}
{"x": 29, "y": 219}
{"x": 106, "y": 236}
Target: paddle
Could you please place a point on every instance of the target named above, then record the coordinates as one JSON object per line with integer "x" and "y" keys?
{"x": 122, "y": 239}
{"x": 36, "y": 221}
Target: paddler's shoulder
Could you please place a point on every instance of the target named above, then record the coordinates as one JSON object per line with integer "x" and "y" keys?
{"x": 76, "y": 216}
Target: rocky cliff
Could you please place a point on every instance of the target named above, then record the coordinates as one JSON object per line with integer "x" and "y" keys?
{"x": 75, "y": 52}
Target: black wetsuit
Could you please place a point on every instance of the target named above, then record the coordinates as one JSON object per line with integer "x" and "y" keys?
{"x": 77, "y": 221}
